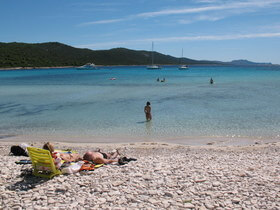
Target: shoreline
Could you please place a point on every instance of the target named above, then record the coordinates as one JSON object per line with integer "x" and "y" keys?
{"x": 31, "y": 68}
{"x": 184, "y": 140}
{"x": 66, "y": 67}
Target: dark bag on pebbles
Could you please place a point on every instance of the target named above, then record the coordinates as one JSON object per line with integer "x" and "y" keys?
{"x": 18, "y": 151}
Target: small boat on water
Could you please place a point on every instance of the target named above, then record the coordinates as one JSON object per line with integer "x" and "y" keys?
{"x": 182, "y": 66}
{"x": 88, "y": 66}
{"x": 153, "y": 66}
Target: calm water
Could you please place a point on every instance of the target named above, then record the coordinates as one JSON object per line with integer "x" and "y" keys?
{"x": 243, "y": 102}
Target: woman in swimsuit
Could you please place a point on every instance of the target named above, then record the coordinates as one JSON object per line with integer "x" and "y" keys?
{"x": 147, "y": 111}
{"x": 67, "y": 157}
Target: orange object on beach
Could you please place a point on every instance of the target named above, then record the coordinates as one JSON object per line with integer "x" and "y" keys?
{"x": 87, "y": 167}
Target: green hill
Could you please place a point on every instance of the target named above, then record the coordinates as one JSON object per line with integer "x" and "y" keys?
{"x": 52, "y": 54}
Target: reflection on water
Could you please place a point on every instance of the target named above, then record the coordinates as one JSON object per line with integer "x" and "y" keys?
{"x": 149, "y": 128}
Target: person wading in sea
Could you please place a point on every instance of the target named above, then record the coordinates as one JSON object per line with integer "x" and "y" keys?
{"x": 147, "y": 111}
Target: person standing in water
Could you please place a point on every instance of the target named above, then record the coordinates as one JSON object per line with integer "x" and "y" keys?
{"x": 211, "y": 81}
{"x": 147, "y": 111}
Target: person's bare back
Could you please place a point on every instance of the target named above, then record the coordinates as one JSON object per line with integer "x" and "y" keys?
{"x": 102, "y": 157}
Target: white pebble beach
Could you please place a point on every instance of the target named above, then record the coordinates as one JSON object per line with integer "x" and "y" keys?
{"x": 165, "y": 176}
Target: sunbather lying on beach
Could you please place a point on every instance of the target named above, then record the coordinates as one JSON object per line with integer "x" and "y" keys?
{"x": 99, "y": 157}
{"x": 67, "y": 157}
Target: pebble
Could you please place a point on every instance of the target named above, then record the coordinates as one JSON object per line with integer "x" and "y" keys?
{"x": 189, "y": 206}
{"x": 216, "y": 184}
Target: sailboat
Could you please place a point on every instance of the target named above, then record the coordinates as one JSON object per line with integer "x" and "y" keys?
{"x": 182, "y": 67}
{"x": 153, "y": 66}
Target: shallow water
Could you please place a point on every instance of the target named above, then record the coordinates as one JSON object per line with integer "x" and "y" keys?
{"x": 243, "y": 102}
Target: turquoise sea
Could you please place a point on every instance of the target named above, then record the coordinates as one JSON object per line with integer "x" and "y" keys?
{"x": 85, "y": 104}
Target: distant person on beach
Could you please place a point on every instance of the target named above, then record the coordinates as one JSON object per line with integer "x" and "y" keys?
{"x": 211, "y": 81}
{"x": 157, "y": 79}
{"x": 147, "y": 111}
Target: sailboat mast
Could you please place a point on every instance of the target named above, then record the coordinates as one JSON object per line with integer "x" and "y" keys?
{"x": 182, "y": 56}
{"x": 152, "y": 53}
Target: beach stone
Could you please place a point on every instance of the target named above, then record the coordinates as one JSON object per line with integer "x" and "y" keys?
{"x": 168, "y": 194}
{"x": 152, "y": 192}
{"x": 209, "y": 206}
{"x": 102, "y": 200}
{"x": 51, "y": 201}
{"x": 117, "y": 183}
{"x": 236, "y": 200}
{"x": 216, "y": 184}
{"x": 147, "y": 177}
{"x": 189, "y": 206}
{"x": 153, "y": 201}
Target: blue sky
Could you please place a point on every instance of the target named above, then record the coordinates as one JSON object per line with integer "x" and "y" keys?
{"x": 222, "y": 30}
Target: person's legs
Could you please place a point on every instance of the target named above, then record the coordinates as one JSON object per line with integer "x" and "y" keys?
{"x": 104, "y": 161}
{"x": 114, "y": 155}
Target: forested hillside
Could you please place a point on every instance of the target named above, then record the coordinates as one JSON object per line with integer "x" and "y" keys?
{"x": 56, "y": 54}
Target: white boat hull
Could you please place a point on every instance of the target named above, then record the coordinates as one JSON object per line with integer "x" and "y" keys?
{"x": 184, "y": 67}
{"x": 153, "y": 67}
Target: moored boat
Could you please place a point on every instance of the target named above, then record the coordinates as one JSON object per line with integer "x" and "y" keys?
{"x": 182, "y": 66}
{"x": 153, "y": 66}
{"x": 88, "y": 66}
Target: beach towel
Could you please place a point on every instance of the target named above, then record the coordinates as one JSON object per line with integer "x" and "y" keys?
{"x": 87, "y": 166}
{"x": 24, "y": 162}
{"x": 67, "y": 151}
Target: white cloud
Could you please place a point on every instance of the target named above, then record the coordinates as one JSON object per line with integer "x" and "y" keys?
{"x": 230, "y": 8}
{"x": 214, "y": 37}
{"x": 101, "y": 22}
{"x": 206, "y": 1}
{"x": 236, "y": 5}
{"x": 200, "y": 18}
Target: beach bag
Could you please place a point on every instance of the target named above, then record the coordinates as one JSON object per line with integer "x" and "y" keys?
{"x": 72, "y": 168}
{"x": 18, "y": 151}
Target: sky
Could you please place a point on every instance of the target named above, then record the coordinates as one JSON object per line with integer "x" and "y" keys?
{"x": 222, "y": 30}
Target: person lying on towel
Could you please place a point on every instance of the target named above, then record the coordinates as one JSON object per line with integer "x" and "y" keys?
{"x": 99, "y": 157}
{"x": 67, "y": 157}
